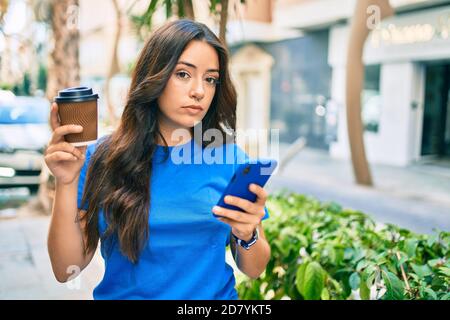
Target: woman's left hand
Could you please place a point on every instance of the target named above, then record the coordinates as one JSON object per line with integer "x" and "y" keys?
{"x": 243, "y": 224}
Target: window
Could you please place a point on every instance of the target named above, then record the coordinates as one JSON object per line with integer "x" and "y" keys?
{"x": 371, "y": 99}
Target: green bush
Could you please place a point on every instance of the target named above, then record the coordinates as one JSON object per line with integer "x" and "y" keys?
{"x": 322, "y": 251}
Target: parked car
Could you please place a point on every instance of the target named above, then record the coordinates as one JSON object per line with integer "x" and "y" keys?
{"x": 24, "y": 134}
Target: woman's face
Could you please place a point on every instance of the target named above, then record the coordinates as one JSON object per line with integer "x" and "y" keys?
{"x": 190, "y": 89}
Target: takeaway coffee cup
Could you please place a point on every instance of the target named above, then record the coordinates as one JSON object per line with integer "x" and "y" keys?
{"x": 78, "y": 106}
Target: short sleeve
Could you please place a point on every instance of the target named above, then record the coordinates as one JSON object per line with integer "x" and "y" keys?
{"x": 82, "y": 177}
{"x": 241, "y": 157}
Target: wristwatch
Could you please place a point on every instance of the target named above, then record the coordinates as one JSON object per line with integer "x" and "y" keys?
{"x": 247, "y": 244}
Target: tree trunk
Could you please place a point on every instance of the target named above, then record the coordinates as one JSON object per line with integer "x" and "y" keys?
{"x": 354, "y": 83}
{"x": 63, "y": 72}
{"x": 223, "y": 21}
{"x": 3, "y": 8}
{"x": 188, "y": 9}
{"x": 114, "y": 65}
{"x": 64, "y": 67}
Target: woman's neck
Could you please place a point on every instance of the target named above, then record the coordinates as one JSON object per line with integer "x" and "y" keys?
{"x": 173, "y": 136}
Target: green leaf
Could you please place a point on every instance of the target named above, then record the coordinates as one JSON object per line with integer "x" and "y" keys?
{"x": 354, "y": 280}
{"x": 364, "y": 291}
{"x": 446, "y": 296}
{"x": 303, "y": 240}
{"x": 445, "y": 271}
{"x": 410, "y": 247}
{"x": 348, "y": 253}
{"x": 325, "y": 294}
{"x": 390, "y": 267}
{"x": 431, "y": 294}
{"x": 362, "y": 264}
{"x": 432, "y": 240}
{"x": 300, "y": 278}
{"x": 169, "y": 9}
{"x": 415, "y": 277}
{"x": 370, "y": 279}
{"x": 286, "y": 246}
{"x": 403, "y": 259}
{"x": 422, "y": 271}
{"x": 314, "y": 281}
{"x": 359, "y": 254}
{"x": 432, "y": 263}
{"x": 334, "y": 207}
{"x": 438, "y": 282}
{"x": 336, "y": 284}
{"x": 150, "y": 11}
{"x": 339, "y": 256}
{"x": 394, "y": 286}
{"x": 421, "y": 291}
{"x": 332, "y": 255}
{"x": 181, "y": 12}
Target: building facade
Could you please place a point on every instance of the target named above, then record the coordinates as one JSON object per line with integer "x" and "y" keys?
{"x": 406, "y": 106}
{"x": 405, "y": 101}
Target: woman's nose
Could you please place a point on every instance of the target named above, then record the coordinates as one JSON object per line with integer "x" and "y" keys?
{"x": 198, "y": 91}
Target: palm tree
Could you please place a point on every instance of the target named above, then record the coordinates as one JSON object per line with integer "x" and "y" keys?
{"x": 359, "y": 31}
{"x": 64, "y": 68}
{"x": 183, "y": 9}
{"x": 223, "y": 20}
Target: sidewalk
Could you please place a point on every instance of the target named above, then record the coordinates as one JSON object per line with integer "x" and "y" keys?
{"x": 25, "y": 269}
{"x": 416, "y": 197}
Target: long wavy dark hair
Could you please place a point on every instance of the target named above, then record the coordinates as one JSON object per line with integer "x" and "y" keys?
{"x": 118, "y": 178}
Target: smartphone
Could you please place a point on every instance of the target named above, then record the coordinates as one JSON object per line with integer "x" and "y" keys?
{"x": 256, "y": 171}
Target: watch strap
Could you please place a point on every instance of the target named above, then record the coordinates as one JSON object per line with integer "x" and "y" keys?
{"x": 247, "y": 244}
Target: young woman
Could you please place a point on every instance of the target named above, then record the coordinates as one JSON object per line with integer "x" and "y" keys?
{"x": 154, "y": 215}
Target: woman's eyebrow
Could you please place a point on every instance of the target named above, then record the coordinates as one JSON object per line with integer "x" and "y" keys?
{"x": 195, "y": 67}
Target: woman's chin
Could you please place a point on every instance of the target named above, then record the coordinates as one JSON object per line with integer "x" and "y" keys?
{"x": 190, "y": 122}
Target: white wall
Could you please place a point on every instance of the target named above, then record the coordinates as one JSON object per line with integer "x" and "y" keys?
{"x": 340, "y": 148}
{"x": 250, "y": 69}
{"x": 392, "y": 143}
{"x": 397, "y": 141}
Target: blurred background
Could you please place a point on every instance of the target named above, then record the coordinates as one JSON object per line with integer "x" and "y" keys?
{"x": 356, "y": 95}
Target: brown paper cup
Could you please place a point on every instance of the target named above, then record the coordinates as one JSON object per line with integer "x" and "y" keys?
{"x": 79, "y": 106}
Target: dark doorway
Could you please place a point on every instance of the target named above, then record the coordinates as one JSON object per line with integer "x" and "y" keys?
{"x": 436, "y": 118}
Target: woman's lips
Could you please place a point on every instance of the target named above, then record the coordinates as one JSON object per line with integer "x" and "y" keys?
{"x": 193, "y": 110}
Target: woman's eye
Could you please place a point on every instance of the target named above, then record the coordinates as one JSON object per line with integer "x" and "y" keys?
{"x": 182, "y": 75}
{"x": 212, "y": 80}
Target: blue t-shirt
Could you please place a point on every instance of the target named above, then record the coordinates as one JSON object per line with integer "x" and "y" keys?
{"x": 185, "y": 254}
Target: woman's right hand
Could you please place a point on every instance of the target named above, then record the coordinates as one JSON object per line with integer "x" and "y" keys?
{"x": 63, "y": 160}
